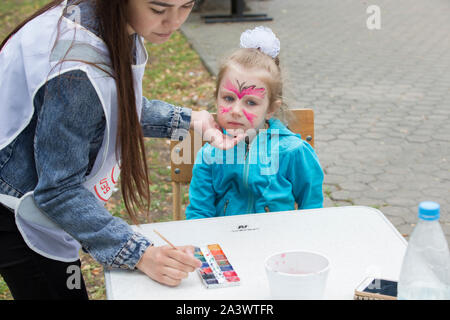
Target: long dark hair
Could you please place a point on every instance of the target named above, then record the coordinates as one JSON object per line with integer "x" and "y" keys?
{"x": 112, "y": 17}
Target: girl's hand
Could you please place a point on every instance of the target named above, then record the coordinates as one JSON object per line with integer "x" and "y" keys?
{"x": 167, "y": 265}
{"x": 203, "y": 122}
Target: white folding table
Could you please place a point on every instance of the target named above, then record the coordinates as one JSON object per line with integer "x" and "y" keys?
{"x": 359, "y": 241}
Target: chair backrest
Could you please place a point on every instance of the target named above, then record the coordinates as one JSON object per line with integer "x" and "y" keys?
{"x": 182, "y": 161}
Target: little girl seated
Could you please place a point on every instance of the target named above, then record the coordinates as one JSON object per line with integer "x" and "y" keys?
{"x": 273, "y": 168}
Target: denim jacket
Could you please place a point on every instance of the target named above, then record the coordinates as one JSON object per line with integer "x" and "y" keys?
{"x": 68, "y": 107}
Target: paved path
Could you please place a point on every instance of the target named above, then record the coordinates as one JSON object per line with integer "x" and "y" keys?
{"x": 381, "y": 97}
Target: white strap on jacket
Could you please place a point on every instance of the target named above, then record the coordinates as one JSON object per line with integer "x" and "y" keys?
{"x": 9, "y": 201}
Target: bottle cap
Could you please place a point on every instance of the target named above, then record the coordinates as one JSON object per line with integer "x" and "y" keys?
{"x": 429, "y": 210}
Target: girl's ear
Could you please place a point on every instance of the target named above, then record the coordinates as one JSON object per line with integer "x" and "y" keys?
{"x": 273, "y": 109}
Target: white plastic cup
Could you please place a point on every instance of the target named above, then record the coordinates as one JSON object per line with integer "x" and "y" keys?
{"x": 296, "y": 275}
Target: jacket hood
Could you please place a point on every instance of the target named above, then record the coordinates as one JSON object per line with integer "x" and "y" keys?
{"x": 277, "y": 127}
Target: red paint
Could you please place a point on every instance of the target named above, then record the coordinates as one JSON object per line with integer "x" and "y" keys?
{"x": 233, "y": 279}
{"x": 207, "y": 270}
{"x": 230, "y": 274}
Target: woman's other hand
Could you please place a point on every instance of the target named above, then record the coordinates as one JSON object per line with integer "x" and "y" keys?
{"x": 203, "y": 122}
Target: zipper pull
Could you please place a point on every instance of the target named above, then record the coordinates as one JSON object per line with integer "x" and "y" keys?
{"x": 247, "y": 146}
{"x": 225, "y": 207}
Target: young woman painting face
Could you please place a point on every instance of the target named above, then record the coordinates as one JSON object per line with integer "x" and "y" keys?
{"x": 156, "y": 20}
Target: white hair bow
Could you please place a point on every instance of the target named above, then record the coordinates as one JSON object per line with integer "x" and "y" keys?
{"x": 261, "y": 38}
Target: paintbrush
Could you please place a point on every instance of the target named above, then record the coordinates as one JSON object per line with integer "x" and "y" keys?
{"x": 162, "y": 237}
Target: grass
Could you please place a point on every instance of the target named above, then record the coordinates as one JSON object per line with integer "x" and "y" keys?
{"x": 174, "y": 74}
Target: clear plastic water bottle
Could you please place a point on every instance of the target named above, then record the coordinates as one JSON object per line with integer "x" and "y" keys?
{"x": 425, "y": 273}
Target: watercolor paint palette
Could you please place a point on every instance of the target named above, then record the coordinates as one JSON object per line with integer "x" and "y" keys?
{"x": 216, "y": 271}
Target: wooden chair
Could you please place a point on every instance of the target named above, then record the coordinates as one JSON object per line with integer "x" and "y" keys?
{"x": 181, "y": 173}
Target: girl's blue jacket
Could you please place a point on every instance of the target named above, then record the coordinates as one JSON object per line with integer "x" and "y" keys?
{"x": 272, "y": 173}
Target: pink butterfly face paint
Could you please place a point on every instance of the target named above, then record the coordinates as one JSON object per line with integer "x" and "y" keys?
{"x": 249, "y": 100}
{"x": 224, "y": 109}
{"x": 249, "y": 116}
{"x": 243, "y": 90}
